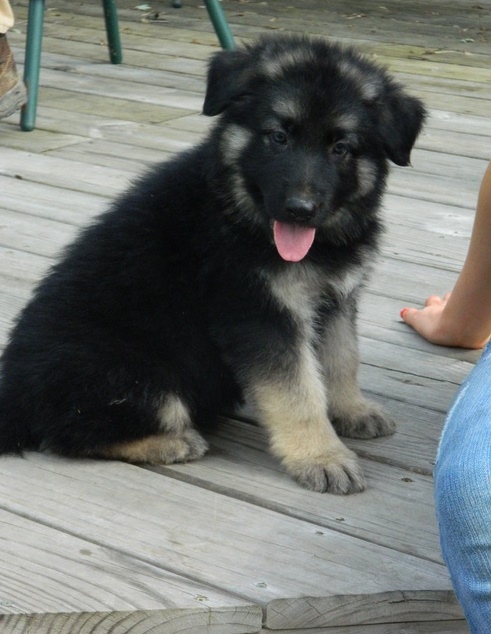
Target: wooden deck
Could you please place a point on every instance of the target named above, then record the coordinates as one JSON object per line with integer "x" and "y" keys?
{"x": 229, "y": 544}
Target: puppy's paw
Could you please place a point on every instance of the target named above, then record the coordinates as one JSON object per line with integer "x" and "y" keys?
{"x": 335, "y": 472}
{"x": 196, "y": 445}
{"x": 366, "y": 421}
{"x": 184, "y": 447}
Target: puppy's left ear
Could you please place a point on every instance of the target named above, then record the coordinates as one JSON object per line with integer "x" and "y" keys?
{"x": 401, "y": 118}
{"x": 228, "y": 75}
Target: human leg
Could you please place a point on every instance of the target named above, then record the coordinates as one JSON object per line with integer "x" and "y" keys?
{"x": 6, "y": 16}
{"x": 12, "y": 89}
{"x": 463, "y": 494}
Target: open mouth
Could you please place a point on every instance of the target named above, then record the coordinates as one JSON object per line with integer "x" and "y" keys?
{"x": 292, "y": 241}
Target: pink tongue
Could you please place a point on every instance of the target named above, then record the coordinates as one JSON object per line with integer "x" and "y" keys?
{"x": 292, "y": 241}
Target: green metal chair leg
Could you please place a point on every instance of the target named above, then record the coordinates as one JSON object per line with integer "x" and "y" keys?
{"x": 220, "y": 24}
{"x": 32, "y": 63}
{"x": 112, "y": 30}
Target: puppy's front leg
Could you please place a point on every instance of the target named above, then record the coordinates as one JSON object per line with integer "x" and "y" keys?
{"x": 291, "y": 399}
{"x": 352, "y": 415}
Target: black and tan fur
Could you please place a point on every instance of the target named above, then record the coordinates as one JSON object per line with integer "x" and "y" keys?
{"x": 180, "y": 301}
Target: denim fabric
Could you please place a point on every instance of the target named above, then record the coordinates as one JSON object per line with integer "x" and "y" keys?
{"x": 463, "y": 494}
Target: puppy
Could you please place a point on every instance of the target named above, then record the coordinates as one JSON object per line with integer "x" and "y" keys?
{"x": 232, "y": 271}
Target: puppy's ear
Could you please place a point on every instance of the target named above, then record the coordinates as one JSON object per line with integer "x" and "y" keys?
{"x": 401, "y": 118}
{"x": 228, "y": 75}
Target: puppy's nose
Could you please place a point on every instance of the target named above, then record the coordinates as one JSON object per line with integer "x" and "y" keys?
{"x": 301, "y": 209}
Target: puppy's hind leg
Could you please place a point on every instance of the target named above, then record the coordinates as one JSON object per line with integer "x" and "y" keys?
{"x": 165, "y": 448}
{"x": 175, "y": 440}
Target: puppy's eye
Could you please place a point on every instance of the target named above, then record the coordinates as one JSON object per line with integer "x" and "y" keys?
{"x": 340, "y": 148}
{"x": 279, "y": 137}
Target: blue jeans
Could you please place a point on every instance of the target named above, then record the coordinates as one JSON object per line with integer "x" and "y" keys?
{"x": 463, "y": 494}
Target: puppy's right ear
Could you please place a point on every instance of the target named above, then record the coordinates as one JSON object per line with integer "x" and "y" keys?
{"x": 228, "y": 75}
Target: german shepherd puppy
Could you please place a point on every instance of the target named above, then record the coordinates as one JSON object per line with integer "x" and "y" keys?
{"x": 231, "y": 271}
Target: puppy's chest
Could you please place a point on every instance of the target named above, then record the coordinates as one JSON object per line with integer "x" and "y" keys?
{"x": 307, "y": 292}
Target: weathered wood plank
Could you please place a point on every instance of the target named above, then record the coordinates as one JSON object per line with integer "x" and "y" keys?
{"x": 438, "y": 627}
{"x": 71, "y": 175}
{"x": 232, "y": 621}
{"x": 46, "y": 201}
{"x": 137, "y": 36}
{"x": 122, "y": 88}
{"x": 114, "y": 155}
{"x": 460, "y": 122}
{"x": 41, "y": 237}
{"x": 239, "y": 465}
{"x": 211, "y": 537}
{"x": 110, "y": 105}
{"x": 111, "y": 589}
{"x": 163, "y": 42}
{"x": 408, "y": 281}
{"x": 142, "y": 74}
{"x": 386, "y": 608}
{"x": 9, "y": 307}
{"x": 412, "y": 26}
{"x": 411, "y": 22}
{"x": 441, "y": 162}
{"x": 40, "y": 140}
{"x": 160, "y": 136}
{"x": 19, "y": 271}
{"x": 463, "y": 144}
{"x": 93, "y": 52}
